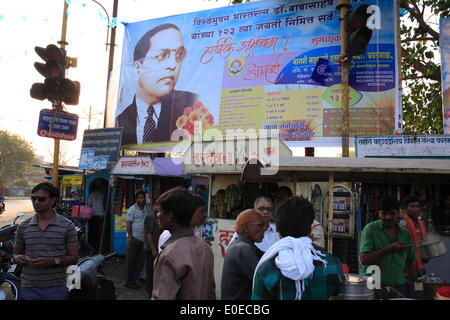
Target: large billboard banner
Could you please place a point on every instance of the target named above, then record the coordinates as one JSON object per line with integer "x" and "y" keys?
{"x": 444, "y": 41}
{"x": 254, "y": 66}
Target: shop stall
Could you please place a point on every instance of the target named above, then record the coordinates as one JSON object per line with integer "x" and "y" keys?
{"x": 366, "y": 179}
{"x": 221, "y": 163}
{"x": 130, "y": 174}
{"x": 432, "y": 194}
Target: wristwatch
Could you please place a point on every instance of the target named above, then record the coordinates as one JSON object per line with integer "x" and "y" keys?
{"x": 57, "y": 261}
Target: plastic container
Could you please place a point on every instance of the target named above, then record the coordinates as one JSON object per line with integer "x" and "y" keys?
{"x": 82, "y": 211}
{"x": 442, "y": 293}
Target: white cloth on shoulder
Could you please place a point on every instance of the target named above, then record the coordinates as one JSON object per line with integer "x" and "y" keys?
{"x": 295, "y": 259}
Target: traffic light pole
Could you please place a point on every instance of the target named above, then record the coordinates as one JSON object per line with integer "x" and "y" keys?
{"x": 343, "y": 7}
{"x": 112, "y": 44}
{"x": 57, "y": 106}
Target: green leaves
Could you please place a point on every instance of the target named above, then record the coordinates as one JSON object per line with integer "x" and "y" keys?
{"x": 16, "y": 154}
{"x": 422, "y": 101}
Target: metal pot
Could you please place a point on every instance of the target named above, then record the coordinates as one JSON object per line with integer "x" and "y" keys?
{"x": 432, "y": 248}
{"x": 355, "y": 288}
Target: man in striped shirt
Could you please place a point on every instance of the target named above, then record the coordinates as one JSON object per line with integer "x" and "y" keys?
{"x": 45, "y": 245}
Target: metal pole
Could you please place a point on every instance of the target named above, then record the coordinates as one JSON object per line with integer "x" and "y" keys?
{"x": 210, "y": 194}
{"x": 330, "y": 212}
{"x": 107, "y": 219}
{"x": 112, "y": 44}
{"x": 399, "y": 69}
{"x": 57, "y": 106}
{"x": 343, "y": 7}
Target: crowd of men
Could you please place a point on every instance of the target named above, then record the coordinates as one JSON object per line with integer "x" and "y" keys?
{"x": 274, "y": 254}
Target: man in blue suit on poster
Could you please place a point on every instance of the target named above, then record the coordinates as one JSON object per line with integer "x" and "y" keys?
{"x": 152, "y": 115}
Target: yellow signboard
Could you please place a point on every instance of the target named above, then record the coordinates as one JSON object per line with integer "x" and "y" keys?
{"x": 69, "y": 181}
{"x": 121, "y": 222}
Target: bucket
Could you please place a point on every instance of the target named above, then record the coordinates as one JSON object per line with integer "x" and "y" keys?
{"x": 432, "y": 248}
{"x": 355, "y": 288}
{"x": 82, "y": 211}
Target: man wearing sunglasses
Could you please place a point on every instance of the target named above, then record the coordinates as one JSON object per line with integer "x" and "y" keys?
{"x": 45, "y": 245}
{"x": 152, "y": 115}
{"x": 264, "y": 206}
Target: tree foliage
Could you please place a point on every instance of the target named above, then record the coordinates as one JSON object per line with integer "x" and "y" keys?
{"x": 16, "y": 156}
{"x": 422, "y": 98}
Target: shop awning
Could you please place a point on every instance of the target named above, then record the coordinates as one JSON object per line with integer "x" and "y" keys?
{"x": 62, "y": 170}
{"x": 367, "y": 170}
{"x": 169, "y": 167}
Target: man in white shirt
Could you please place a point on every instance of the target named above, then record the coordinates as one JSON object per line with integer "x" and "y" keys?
{"x": 96, "y": 201}
{"x": 264, "y": 206}
{"x": 135, "y": 235}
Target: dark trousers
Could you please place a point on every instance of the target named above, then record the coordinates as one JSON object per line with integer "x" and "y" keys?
{"x": 95, "y": 232}
{"x": 49, "y": 293}
{"x": 149, "y": 261}
{"x": 135, "y": 259}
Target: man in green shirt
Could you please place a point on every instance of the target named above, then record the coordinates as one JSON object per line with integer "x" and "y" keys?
{"x": 292, "y": 269}
{"x": 388, "y": 245}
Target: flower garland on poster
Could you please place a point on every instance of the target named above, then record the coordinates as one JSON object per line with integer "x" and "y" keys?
{"x": 198, "y": 112}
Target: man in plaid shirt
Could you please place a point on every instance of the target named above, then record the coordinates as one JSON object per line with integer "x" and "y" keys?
{"x": 294, "y": 220}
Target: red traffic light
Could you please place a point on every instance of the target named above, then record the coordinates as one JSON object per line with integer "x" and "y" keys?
{"x": 55, "y": 62}
{"x": 55, "y": 87}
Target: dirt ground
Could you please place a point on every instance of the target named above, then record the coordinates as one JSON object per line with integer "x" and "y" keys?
{"x": 114, "y": 270}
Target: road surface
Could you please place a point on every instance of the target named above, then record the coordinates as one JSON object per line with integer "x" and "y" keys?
{"x": 12, "y": 208}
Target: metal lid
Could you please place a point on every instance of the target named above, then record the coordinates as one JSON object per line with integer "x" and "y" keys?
{"x": 355, "y": 278}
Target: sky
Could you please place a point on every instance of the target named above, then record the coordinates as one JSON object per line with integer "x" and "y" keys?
{"x": 26, "y": 24}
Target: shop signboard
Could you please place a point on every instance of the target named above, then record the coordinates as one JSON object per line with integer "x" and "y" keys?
{"x": 250, "y": 67}
{"x": 68, "y": 181}
{"x": 419, "y": 146}
{"x": 231, "y": 156}
{"x": 57, "y": 124}
{"x": 100, "y": 148}
{"x": 134, "y": 166}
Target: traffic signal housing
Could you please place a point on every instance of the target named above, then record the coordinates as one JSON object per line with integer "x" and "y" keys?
{"x": 358, "y": 34}
{"x": 56, "y": 86}
{"x": 55, "y": 62}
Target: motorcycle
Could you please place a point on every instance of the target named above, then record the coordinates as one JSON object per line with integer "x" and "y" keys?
{"x": 93, "y": 285}
{"x": 9, "y": 271}
{"x": 86, "y": 250}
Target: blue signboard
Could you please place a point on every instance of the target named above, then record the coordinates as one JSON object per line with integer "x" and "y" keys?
{"x": 58, "y": 125}
{"x": 100, "y": 148}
